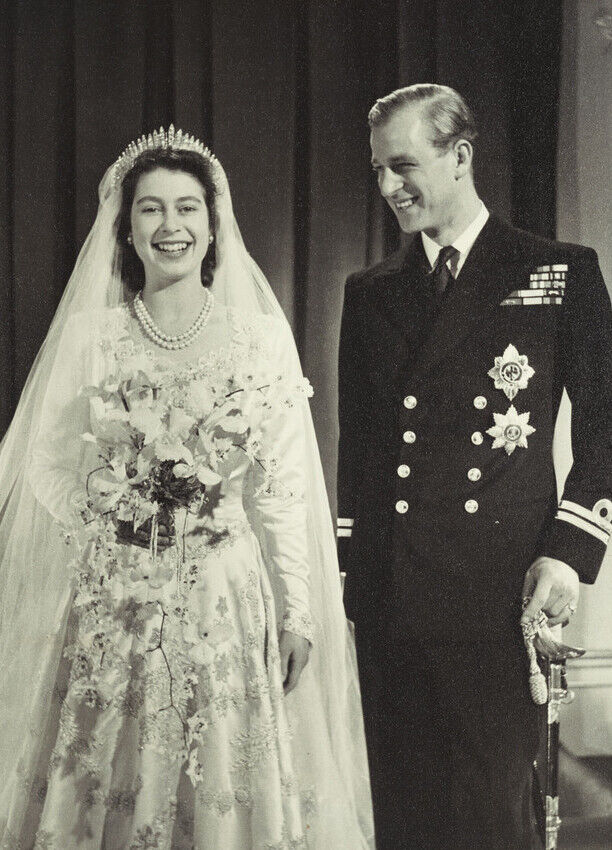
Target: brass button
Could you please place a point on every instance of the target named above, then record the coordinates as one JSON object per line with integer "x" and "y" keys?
{"x": 474, "y": 474}
{"x": 471, "y": 506}
{"x": 477, "y": 438}
{"x": 401, "y": 507}
{"x": 409, "y": 436}
{"x": 603, "y": 511}
{"x": 403, "y": 470}
{"x": 480, "y": 402}
{"x": 410, "y": 402}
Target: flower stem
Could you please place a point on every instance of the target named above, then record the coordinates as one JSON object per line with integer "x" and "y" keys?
{"x": 165, "y": 657}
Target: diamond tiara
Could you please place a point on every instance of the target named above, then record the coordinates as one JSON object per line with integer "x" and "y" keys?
{"x": 171, "y": 138}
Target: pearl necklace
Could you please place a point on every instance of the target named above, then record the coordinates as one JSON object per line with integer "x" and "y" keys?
{"x": 173, "y": 343}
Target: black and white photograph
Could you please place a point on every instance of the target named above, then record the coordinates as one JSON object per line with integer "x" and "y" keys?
{"x": 305, "y": 425}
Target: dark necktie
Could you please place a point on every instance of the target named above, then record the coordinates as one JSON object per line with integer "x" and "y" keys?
{"x": 440, "y": 272}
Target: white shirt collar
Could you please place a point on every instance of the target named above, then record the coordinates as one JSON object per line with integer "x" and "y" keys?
{"x": 462, "y": 243}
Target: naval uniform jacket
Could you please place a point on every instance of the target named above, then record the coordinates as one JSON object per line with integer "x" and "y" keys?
{"x": 438, "y": 521}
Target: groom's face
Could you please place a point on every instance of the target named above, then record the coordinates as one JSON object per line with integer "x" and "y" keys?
{"x": 417, "y": 180}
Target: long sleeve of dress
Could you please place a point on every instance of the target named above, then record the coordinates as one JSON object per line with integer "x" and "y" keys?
{"x": 279, "y": 498}
{"x": 58, "y": 462}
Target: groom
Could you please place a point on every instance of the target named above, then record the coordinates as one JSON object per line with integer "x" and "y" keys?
{"x": 453, "y": 357}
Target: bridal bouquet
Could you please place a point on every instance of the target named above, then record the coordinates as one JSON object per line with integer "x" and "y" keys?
{"x": 161, "y": 444}
{"x": 162, "y": 439}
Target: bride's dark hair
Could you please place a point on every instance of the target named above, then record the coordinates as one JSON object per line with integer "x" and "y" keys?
{"x": 132, "y": 270}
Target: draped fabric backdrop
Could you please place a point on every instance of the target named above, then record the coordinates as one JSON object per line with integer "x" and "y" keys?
{"x": 583, "y": 201}
{"x": 280, "y": 90}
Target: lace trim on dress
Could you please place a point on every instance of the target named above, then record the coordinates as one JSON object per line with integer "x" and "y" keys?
{"x": 250, "y": 343}
{"x": 299, "y": 624}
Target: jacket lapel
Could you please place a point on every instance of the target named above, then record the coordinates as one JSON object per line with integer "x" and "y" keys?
{"x": 397, "y": 293}
{"x": 484, "y": 281}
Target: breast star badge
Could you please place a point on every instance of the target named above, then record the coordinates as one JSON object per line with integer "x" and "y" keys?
{"x": 511, "y": 429}
{"x": 511, "y": 372}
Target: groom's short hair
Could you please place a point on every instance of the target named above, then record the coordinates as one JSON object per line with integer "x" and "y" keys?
{"x": 444, "y": 110}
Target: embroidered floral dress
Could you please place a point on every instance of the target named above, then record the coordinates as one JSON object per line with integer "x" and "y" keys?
{"x": 169, "y": 728}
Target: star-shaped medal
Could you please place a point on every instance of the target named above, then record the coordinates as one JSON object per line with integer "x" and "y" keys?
{"x": 511, "y": 429}
{"x": 511, "y": 372}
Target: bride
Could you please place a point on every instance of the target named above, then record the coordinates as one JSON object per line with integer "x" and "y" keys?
{"x": 175, "y": 665}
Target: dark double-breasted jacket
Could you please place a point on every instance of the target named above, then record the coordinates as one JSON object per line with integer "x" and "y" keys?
{"x": 446, "y": 486}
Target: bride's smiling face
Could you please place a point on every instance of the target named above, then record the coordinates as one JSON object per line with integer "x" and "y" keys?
{"x": 170, "y": 224}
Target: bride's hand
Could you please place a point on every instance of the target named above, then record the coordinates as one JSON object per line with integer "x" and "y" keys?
{"x": 142, "y": 536}
{"x": 294, "y": 652}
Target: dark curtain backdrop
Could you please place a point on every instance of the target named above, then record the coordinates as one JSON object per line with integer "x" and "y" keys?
{"x": 280, "y": 90}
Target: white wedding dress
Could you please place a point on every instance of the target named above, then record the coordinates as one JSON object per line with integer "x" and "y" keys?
{"x": 112, "y": 773}
{"x": 169, "y": 728}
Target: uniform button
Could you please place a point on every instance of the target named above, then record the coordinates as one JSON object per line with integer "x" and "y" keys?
{"x": 409, "y": 436}
{"x": 410, "y": 402}
{"x": 403, "y": 470}
{"x": 480, "y": 402}
{"x": 471, "y": 506}
{"x": 401, "y": 507}
{"x": 474, "y": 474}
{"x": 477, "y": 438}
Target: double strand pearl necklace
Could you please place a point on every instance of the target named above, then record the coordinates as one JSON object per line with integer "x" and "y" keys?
{"x": 173, "y": 343}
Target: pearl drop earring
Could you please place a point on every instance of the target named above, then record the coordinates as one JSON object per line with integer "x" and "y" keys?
{"x": 129, "y": 239}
